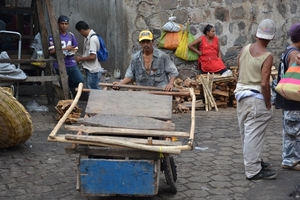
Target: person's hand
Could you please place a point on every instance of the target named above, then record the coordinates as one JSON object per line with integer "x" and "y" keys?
{"x": 169, "y": 87}
{"x": 268, "y": 106}
{"x": 78, "y": 59}
{"x": 298, "y": 59}
{"x": 200, "y": 53}
{"x": 114, "y": 87}
{"x": 70, "y": 48}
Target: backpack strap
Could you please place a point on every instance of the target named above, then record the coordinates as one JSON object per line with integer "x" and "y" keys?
{"x": 93, "y": 35}
{"x": 286, "y": 55}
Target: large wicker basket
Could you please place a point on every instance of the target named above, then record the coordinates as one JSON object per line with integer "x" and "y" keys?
{"x": 15, "y": 121}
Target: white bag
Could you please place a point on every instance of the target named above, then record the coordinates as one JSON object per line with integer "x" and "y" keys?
{"x": 117, "y": 74}
{"x": 171, "y": 26}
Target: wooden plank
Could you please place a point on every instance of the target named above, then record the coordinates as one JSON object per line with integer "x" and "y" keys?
{"x": 41, "y": 78}
{"x": 122, "y": 131}
{"x": 44, "y": 37}
{"x": 122, "y": 121}
{"x": 156, "y": 142}
{"x": 198, "y": 104}
{"x": 111, "y": 152}
{"x": 19, "y": 10}
{"x": 129, "y": 103}
{"x": 16, "y": 61}
{"x": 58, "y": 48}
{"x": 126, "y": 144}
{"x": 220, "y": 92}
{"x": 139, "y": 87}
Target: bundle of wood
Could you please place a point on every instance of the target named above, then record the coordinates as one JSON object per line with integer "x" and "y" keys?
{"x": 61, "y": 108}
{"x": 211, "y": 90}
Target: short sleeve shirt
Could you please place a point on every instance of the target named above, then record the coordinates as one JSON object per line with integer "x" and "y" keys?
{"x": 91, "y": 46}
{"x": 66, "y": 40}
{"x": 162, "y": 68}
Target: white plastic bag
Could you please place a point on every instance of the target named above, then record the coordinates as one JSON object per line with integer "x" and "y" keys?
{"x": 33, "y": 106}
{"x": 171, "y": 26}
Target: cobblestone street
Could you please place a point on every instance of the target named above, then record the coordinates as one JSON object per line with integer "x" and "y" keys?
{"x": 42, "y": 170}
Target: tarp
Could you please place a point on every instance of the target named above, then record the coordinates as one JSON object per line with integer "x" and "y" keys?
{"x": 9, "y": 71}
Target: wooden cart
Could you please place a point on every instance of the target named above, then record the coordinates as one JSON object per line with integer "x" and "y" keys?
{"x": 122, "y": 143}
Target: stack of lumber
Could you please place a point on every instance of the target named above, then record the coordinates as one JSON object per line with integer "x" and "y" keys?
{"x": 126, "y": 119}
{"x": 61, "y": 108}
{"x": 222, "y": 90}
{"x": 212, "y": 91}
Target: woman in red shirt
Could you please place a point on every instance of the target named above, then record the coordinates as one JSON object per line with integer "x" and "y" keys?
{"x": 210, "y": 58}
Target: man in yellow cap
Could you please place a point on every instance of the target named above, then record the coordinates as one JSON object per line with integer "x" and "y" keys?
{"x": 150, "y": 66}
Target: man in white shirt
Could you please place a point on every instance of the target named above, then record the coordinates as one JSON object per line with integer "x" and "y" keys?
{"x": 89, "y": 57}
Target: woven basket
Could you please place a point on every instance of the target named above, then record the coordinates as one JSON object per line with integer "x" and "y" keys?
{"x": 15, "y": 121}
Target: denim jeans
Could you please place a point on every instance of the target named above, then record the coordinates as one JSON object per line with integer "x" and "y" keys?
{"x": 74, "y": 76}
{"x": 93, "y": 79}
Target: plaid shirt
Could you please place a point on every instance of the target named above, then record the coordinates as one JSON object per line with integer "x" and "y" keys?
{"x": 162, "y": 68}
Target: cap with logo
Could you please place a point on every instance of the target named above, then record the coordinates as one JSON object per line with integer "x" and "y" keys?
{"x": 63, "y": 18}
{"x": 295, "y": 32}
{"x": 266, "y": 29}
{"x": 145, "y": 35}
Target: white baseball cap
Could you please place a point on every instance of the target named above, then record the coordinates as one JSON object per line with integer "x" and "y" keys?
{"x": 266, "y": 29}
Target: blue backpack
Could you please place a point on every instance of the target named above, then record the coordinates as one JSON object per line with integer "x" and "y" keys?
{"x": 102, "y": 53}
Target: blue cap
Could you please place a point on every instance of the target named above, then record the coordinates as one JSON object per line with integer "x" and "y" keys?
{"x": 63, "y": 18}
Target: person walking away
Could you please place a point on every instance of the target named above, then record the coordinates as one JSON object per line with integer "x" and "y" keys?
{"x": 69, "y": 47}
{"x": 290, "y": 109}
{"x": 210, "y": 56}
{"x": 150, "y": 66}
{"x": 89, "y": 57}
{"x": 253, "y": 100}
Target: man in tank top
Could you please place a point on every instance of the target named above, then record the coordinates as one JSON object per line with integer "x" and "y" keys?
{"x": 254, "y": 102}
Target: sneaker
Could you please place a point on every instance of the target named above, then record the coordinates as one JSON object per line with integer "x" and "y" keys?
{"x": 295, "y": 167}
{"x": 265, "y": 166}
{"x": 264, "y": 174}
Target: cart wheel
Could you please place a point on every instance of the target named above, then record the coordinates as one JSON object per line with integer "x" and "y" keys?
{"x": 169, "y": 168}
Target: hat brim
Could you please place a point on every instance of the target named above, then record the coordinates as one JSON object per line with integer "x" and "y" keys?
{"x": 145, "y": 38}
{"x": 264, "y": 36}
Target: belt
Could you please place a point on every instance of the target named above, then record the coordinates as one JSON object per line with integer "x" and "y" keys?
{"x": 255, "y": 91}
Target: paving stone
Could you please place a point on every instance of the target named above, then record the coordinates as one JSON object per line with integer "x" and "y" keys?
{"x": 42, "y": 170}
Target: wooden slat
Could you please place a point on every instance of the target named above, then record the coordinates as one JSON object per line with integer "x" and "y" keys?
{"x": 111, "y": 152}
{"x": 139, "y": 87}
{"x": 58, "y": 48}
{"x": 122, "y": 131}
{"x": 220, "y": 92}
{"x": 16, "y": 61}
{"x": 129, "y": 103}
{"x": 122, "y": 121}
{"x": 155, "y": 142}
{"x": 159, "y": 149}
{"x": 41, "y": 78}
{"x": 44, "y": 37}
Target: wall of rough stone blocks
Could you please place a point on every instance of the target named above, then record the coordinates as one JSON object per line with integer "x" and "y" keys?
{"x": 235, "y": 22}
{"x": 119, "y": 22}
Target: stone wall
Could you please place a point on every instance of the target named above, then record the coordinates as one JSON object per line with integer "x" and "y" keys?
{"x": 119, "y": 23}
{"x": 235, "y": 22}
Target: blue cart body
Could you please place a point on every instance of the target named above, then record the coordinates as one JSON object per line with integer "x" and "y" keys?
{"x": 107, "y": 177}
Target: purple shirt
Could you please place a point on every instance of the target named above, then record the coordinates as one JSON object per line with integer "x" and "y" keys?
{"x": 66, "y": 40}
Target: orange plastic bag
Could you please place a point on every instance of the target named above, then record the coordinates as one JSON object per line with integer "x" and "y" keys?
{"x": 169, "y": 40}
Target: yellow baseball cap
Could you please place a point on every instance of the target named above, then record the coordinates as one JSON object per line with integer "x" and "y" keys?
{"x": 145, "y": 35}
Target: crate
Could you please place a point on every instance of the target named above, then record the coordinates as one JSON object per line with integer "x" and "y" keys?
{"x": 109, "y": 177}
